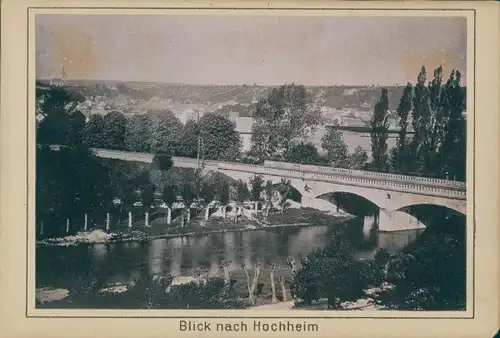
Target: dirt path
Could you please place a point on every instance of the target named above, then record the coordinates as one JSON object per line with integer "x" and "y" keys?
{"x": 277, "y": 306}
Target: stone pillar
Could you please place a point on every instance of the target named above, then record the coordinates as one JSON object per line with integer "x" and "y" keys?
{"x": 146, "y": 221}
{"x": 207, "y": 213}
{"x": 129, "y": 219}
{"x": 385, "y": 220}
{"x": 41, "y": 228}
{"x": 67, "y": 225}
{"x": 369, "y": 222}
{"x": 86, "y": 223}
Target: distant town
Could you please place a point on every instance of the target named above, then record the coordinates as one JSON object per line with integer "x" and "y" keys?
{"x": 349, "y": 108}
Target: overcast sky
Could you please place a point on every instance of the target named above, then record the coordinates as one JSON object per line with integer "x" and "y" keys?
{"x": 237, "y": 50}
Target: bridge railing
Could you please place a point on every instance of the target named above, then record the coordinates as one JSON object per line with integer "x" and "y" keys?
{"x": 343, "y": 179}
{"x": 361, "y": 173}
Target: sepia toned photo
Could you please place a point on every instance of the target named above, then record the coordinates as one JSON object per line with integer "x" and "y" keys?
{"x": 211, "y": 162}
{"x": 260, "y": 169}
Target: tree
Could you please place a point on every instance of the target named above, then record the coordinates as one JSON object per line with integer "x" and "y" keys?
{"x": 420, "y": 123}
{"x": 61, "y": 122}
{"x": 188, "y": 142}
{"x": 162, "y": 163}
{"x": 358, "y": 159}
{"x": 257, "y": 186}
{"x": 242, "y": 194}
{"x": 286, "y": 114}
{"x": 138, "y": 133}
{"x": 169, "y": 197}
{"x": 223, "y": 193}
{"x": 208, "y": 193}
{"x": 400, "y": 154}
{"x": 114, "y": 126}
{"x": 165, "y": 133}
{"x": 70, "y": 182}
{"x": 304, "y": 153}
{"x": 188, "y": 192}
{"x": 269, "y": 191}
{"x": 451, "y": 152}
{"x": 334, "y": 145}
{"x": 147, "y": 199}
{"x": 438, "y": 146}
{"x": 93, "y": 132}
{"x": 251, "y": 285}
{"x": 76, "y": 126}
{"x": 220, "y": 140}
{"x": 285, "y": 191}
{"x": 272, "y": 270}
{"x": 379, "y": 134}
{"x": 333, "y": 273}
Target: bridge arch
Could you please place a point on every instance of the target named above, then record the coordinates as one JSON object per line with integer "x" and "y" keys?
{"x": 355, "y": 203}
{"x": 432, "y": 213}
{"x": 458, "y": 208}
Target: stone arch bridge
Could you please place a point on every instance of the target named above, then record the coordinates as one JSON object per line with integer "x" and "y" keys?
{"x": 391, "y": 193}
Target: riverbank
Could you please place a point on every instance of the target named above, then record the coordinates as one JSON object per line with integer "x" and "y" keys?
{"x": 199, "y": 227}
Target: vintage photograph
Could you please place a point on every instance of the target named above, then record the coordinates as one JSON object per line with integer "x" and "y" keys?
{"x": 251, "y": 162}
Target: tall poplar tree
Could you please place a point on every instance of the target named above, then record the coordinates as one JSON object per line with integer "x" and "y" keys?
{"x": 400, "y": 153}
{"x": 379, "y": 134}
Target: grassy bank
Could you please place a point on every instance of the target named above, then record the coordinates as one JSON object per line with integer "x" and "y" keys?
{"x": 158, "y": 228}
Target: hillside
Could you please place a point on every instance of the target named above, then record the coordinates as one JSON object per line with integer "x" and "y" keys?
{"x": 337, "y": 97}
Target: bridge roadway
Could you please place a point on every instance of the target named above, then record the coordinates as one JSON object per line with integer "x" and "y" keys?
{"x": 423, "y": 185}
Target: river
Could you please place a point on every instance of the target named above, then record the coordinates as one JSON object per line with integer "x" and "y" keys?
{"x": 123, "y": 262}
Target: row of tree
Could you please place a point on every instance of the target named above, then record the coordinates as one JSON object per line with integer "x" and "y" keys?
{"x": 73, "y": 182}
{"x": 283, "y": 121}
{"x": 436, "y": 113}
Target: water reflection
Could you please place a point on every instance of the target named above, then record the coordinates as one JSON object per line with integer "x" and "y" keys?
{"x": 122, "y": 262}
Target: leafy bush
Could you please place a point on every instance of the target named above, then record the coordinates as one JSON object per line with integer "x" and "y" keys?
{"x": 333, "y": 273}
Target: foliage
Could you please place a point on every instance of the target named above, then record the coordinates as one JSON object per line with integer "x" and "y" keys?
{"x": 138, "y": 133}
{"x": 399, "y": 154}
{"x": 438, "y": 147}
{"x": 220, "y": 140}
{"x": 70, "y": 182}
{"x": 207, "y": 190}
{"x": 61, "y": 122}
{"x": 166, "y": 132}
{"x": 379, "y": 134}
{"x": 358, "y": 159}
{"x": 188, "y": 141}
{"x": 242, "y": 194}
{"x": 430, "y": 276}
{"x": 333, "y": 273}
{"x": 223, "y": 193}
{"x": 162, "y": 162}
{"x": 147, "y": 195}
{"x": 257, "y": 186}
{"x": 93, "y": 134}
{"x": 334, "y": 145}
{"x": 284, "y": 188}
{"x": 304, "y": 153}
{"x": 169, "y": 194}
{"x": 285, "y": 114}
{"x": 188, "y": 192}
{"x": 113, "y": 131}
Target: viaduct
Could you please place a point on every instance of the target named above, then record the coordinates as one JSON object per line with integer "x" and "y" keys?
{"x": 391, "y": 193}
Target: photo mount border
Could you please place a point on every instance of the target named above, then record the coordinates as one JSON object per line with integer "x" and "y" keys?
{"x": 472, "y": 200}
